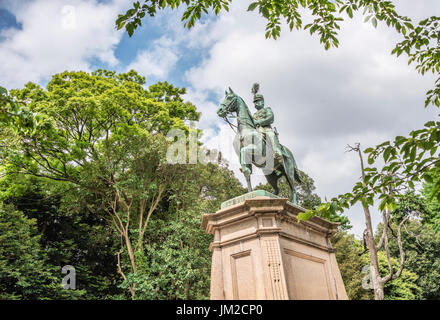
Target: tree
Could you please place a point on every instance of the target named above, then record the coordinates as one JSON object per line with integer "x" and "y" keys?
{"x": 432, "y": 205}
{"x": 104, "y": 133}
{"x": 403, "y": 287}
{"x": 420, "y": 243}
{"x": 391, "y": 242}
{"x": 101, "y": 138}
{"x": 24, "y": 270}
{"x": 70, "y": 232}
{"x": 378, "y": 281}
{"x": 389, "y": 189}
{"x": 178, "y": 261}
{"x": 351, "y": 263}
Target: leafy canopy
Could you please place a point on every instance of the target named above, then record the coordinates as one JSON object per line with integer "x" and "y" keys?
{"x": 60, "y": 129}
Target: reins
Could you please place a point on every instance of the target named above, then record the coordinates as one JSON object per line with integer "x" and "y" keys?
{"x": 230, "y": 124}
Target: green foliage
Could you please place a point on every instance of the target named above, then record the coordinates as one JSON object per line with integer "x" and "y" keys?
{"x": 351, "y": 265}
{"x": 423, "y": 259}
{"x": 176, "y": 262}
{"x": 431, "y": 214}
{"x": 133, "y": 17}
{"x": 408, "y": 160}
{"x": 71, "y": 231}
{"x": 402, "y": 288}
{"x": 420, "y": 241}
{"x": 101, "y": 143}
{"x": 81, "y": 110}
{"x": 24, "y": 270}
{"x": 421, "y": 245}
{"x": 213, "y": 183}
{"x": 16, "y": 114}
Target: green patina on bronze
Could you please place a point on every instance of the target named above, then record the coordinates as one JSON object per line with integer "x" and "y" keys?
{"x": 257, "y": 143}
{"x": 246, "y": 196}
{"x": 252, "y": 195}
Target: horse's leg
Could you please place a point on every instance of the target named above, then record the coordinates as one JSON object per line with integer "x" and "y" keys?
{"x": 248, "y": 181}
{"x": 289, "y": 174}
{"x": 245, "y": 165}
{"x": 292, "y": 190}
{"x": 273, "y": 181}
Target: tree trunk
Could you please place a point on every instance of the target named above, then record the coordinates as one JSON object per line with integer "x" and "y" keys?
{"x": 376, "y": 280}
{"x": 375, "y": 275}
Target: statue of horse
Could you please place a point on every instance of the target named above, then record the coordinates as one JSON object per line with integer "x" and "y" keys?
{"x": 252, "y": 148}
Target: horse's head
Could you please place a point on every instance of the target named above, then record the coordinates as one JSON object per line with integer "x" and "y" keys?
{"x": 229, "y": 104}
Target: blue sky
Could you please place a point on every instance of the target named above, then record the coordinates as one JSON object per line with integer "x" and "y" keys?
{"x": 127, "y": 48}
{"x": 322, "y": 100}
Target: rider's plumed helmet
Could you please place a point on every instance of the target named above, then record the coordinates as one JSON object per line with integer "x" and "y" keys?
{"x": 254, "y": 90}
{"x": 258, "y": 97}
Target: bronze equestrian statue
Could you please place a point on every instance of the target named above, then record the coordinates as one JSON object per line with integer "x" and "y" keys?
{"x": 257, "y": 143}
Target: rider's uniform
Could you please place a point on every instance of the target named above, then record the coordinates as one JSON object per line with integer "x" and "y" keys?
{"x": 263, "y": 119}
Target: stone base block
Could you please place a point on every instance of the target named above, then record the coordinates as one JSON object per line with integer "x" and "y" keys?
{"x": 260, "y": 251}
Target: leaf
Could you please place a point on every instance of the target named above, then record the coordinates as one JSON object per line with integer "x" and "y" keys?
{"x": 121, "y": 25}
{"x": 428, "y": 178}
{"x": 399, "y": 140}
{"x": 387, "y": 153}
{"x": 413, "y": 154}
{"x": 130, "y": 29}
{"x": 264, "y": 12}
{"x": 350, "y": 12}
{"x": 252, "y": 6}
{"x": 305, "y": 215}
{"x": 382, "y": 205}
{"x": 333, "y": 207}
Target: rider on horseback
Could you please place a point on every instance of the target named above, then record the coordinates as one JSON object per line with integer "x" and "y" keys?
{"x": 263, "y": 119}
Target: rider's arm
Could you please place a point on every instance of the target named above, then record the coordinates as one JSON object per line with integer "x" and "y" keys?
{"x": 268, "y": 119}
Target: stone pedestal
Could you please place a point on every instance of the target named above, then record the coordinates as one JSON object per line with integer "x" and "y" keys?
{"x": 261, "y": 252}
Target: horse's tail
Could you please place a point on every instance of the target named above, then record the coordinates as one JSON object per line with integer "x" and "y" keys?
{"x": 295, "y": 174}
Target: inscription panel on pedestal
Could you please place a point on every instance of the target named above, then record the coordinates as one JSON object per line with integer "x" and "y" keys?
{"x": 243, "y": 277}
{"x": 307, "y": 277}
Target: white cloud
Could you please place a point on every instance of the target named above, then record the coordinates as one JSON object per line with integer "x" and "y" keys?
{"x": 323, "y": 100}
{"x": 57, "y": 36}
{"x": 158, "y": 61}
